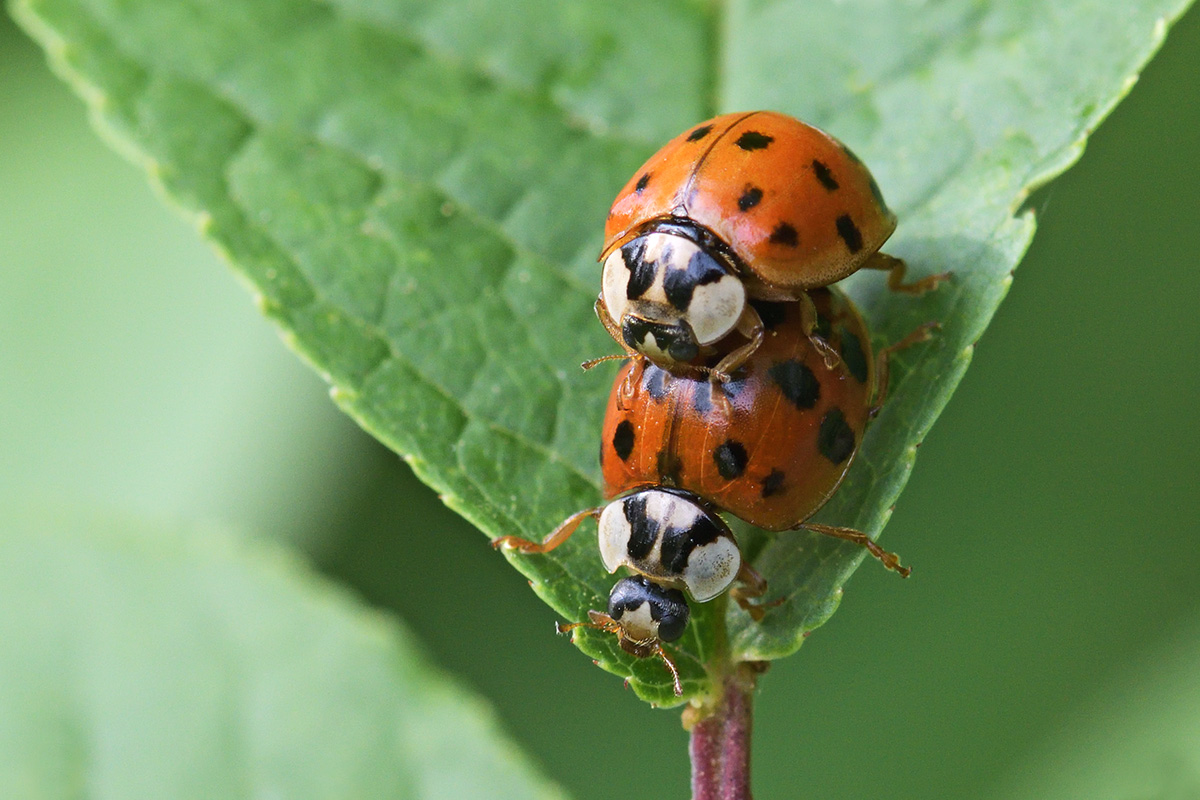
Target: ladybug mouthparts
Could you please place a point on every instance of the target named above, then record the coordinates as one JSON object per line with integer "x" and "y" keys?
{"x": 657, "y": 339}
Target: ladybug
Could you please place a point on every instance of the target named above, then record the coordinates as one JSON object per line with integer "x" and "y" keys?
{"x": 776, "y": 448}
{"x": 642, "y": 614}
{"x": 673, "y": 541}
{"x": 751, "y": 205}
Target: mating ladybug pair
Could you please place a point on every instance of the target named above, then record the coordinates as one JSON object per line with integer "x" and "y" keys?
{"x": 749, "y": 385}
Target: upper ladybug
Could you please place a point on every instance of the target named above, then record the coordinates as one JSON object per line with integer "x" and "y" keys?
{"x": 753, "y": 204}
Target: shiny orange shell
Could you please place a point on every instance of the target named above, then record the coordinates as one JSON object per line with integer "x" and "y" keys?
{"x": 780, "y": 450}
{"x": 793, "y": 203}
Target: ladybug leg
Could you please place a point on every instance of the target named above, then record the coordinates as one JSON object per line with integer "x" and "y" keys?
{"x": 750, "y": 325}
{"x": 896, "y": 269}
{"x": 607, "y": 321}
{"x": 890, "y": 560}
{"x": 717, "y": 392}
{"x": 753, "y": 584}
{"x": 666, "y": 659}
{"x": 883, "y": 362}
{"x": 629, "y": 386}
{"x": 609, "y": 325}
{"x": 630, "y": 383}
{"x": 808, "y": 323}
{"x": 556, "y": 537}
{"x": 598, "y": 620}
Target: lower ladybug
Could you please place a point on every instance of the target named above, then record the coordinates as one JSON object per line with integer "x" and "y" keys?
{"x": 674, "y": 542}
{"x": 772, "y": 447}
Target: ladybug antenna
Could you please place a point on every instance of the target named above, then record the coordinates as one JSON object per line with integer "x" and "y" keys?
{"x": 658, "y": 651}
{"x": 616, "y": 357}
{"x": 603, "y": 622}
{"x": 562, "y": 629}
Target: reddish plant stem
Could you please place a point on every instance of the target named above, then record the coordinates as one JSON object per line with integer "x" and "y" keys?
{"x": 720, "y": 746}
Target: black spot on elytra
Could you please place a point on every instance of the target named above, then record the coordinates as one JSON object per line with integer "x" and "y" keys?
{"x": 784, "y": 234}
{"x": 678, "y": 543}
{"x": 669, "y": 467}
{"x": 641, "y": 274}
{"x": 878, "y": 195}
{"x": 835, "y": 439}
{"x": 642, "y": 182}
{"x": 824, "y": 176}
{"x": 849, "y": 233}
{"x": 749, "y": 198}
{"x": 753, "y": 140}
{"x": 771, "y": 314}
{"x": 702, "y": 397}
{"x": 699, "y": 133}
{"x": 853, "y": 356}
{"x": 773, "y": 483}
{"x": 655, "y": 381}
{"x": 731, "y": 459}
{"x": 797, "y": 382}
{"x": 679, "y": 284}
{"x": 622, "y": 440}
{"x": 643, "y": 530}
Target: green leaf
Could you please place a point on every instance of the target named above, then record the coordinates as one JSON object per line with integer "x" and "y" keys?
{"x": 119, "y": 303}
{"x": 416, "y": 191}
{"x": 146, "y": 661}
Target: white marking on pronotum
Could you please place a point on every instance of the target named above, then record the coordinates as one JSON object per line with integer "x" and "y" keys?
{"x": 613, "y": 284}
{"x": 615, "y": 531}
{"x": 711, "y": 568}
{"x": 716, "y": 308}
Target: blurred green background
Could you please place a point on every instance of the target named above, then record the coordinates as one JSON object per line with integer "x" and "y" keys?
{"x": 1052, "y": 518}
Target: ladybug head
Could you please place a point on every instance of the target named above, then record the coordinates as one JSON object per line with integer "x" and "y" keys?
{"x": 643, "y": 615}
{"x": 670, "y": 296}
{"x": 660, "y": 342}
{"x": 646, "y": 613}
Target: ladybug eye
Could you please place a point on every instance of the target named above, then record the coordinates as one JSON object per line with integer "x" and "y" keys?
{"x": 683, "y": 350}
{"x": 674, "y": 342}
{"x": 672, "y": 623}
